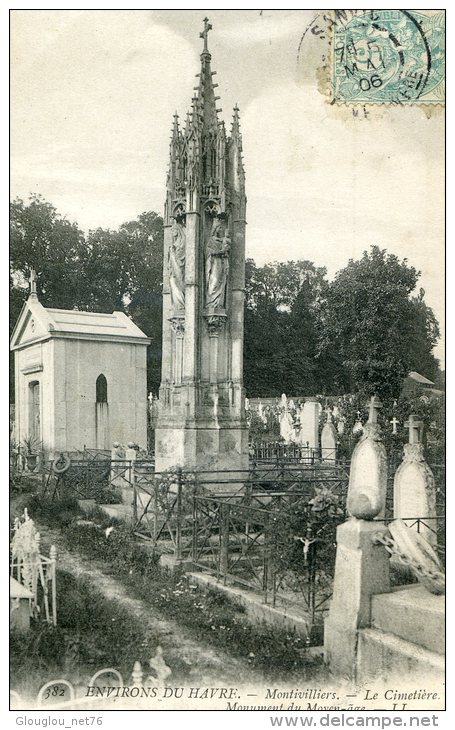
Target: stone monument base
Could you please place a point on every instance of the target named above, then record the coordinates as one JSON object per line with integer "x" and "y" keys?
{"x": 205, "y": 449}
{"x": 361, "y": 570}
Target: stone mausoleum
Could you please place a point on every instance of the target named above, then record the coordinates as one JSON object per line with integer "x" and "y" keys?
{"x": 202, "y": 423}
{"x": 80, "y": 378}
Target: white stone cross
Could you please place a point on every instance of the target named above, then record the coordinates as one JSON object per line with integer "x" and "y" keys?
{"x": 394, "y": 423}
{"x": 414, "y": 426}
{"x": 150, "y": 398}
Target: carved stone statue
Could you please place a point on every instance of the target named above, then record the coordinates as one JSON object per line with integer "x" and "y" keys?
{"x": 177, "y": 267}
{"x": 216, "y": 266}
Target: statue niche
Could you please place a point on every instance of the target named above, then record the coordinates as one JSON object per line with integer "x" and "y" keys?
{"x": 216, "y": 265}
{"x": 177, "y": 266}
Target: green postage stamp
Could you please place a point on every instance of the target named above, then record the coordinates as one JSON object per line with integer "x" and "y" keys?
{"x": 389, "y": 56}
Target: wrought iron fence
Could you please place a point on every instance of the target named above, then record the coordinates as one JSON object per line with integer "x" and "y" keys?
{"x": 280, "y": 450}
{"x": 272, "y": 530}
{"x": 84, "y": 479}
{"x": 432, "y": 528}
{"x": 278, "y": 541}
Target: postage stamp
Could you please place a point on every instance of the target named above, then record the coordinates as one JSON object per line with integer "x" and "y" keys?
{"x": 389, "y": 56}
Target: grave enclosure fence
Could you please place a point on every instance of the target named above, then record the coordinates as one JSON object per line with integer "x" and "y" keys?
{"x": 271, "y": 530}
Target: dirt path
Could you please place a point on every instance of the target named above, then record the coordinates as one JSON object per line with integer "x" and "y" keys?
{"x": 211, "y": 667}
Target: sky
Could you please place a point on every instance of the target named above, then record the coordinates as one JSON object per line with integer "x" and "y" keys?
{"x": 92, "y": 99}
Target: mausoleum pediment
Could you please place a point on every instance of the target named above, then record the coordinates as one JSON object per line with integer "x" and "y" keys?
{"x": 32, "y": 325}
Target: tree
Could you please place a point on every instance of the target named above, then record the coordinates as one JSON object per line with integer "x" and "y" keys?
{"x": 40, "y": 239}
{"x": 123, "y": 270}
{"x": 282, "y": 299}
{"x": 373, "y": 332}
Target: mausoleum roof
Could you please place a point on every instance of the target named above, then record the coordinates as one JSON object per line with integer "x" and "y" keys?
{"x": 419, "y": 378}
{"x": 37, "y": 323}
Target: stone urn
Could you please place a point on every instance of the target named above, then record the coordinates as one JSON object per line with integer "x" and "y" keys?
{"x": 32, "y": 460}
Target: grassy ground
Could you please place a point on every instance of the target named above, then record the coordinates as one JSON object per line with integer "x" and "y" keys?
{"x": 93, "y": 632}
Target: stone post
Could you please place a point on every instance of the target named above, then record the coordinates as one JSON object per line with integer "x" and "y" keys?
{"x": 117, "y": 454}
{"x": 128, "y": 483}
{"x": 362, "y": 565}
{"x": 309, "y": 423}
{"x": 414, "y": 491}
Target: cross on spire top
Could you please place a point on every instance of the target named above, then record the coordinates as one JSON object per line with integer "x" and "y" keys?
{"x": 204, "y": 34}
{"x": 32, "y": 281}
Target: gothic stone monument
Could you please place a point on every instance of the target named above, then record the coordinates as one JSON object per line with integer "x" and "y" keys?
{"x": 202, "y": 404}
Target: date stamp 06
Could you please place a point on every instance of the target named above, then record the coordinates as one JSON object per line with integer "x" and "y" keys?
{"x": 389, "y": 56}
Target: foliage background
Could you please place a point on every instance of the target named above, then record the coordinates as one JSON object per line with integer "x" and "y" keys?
{"x": 361, "y": 333}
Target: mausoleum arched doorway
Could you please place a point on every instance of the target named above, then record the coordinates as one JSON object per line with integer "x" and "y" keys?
{"x": 102, "y": 414}
{"x": 34, "y": 414}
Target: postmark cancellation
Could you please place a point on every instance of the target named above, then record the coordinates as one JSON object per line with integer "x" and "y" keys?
{"x": 388, "y": 56}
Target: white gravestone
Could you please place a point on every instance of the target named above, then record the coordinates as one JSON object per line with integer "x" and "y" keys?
{"x": 329, "y": 440}
{"x": 287, "y": 427}
{"x": 309, "y": 423}
{"x": 414, "y": 491}
{"x": 368, "y": 476}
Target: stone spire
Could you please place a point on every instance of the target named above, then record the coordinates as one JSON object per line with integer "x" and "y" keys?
{"x": 202, "y": 419}
{"x": 206, "y": 99}
{"x": 235, "y": 128}
{"x": 175, "y": 127}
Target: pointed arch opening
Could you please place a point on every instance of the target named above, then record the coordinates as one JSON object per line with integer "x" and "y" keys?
{"x": 101, "y": 389}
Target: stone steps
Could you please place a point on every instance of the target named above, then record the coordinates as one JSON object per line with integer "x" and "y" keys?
{"x": 118, "y": 511}
{"x": 412, "y": 614}
{"x": 406, "y": 637}
{"x": 384, "y": 655}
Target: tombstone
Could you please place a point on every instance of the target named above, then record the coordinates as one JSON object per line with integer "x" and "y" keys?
{"x": 329, "y": 440}
{"x": 368, "y": 475}
{"x": 394, "y": 422}
{"x": 309, "y": 423}
{"x": 261, "y": 415}
{"x": 414, "y": 491}
{"x": 340, "y": 425}
{"x": 358, "y": 427}
{"x": 287, "y": 432}
{"x": 362, "y": 563}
